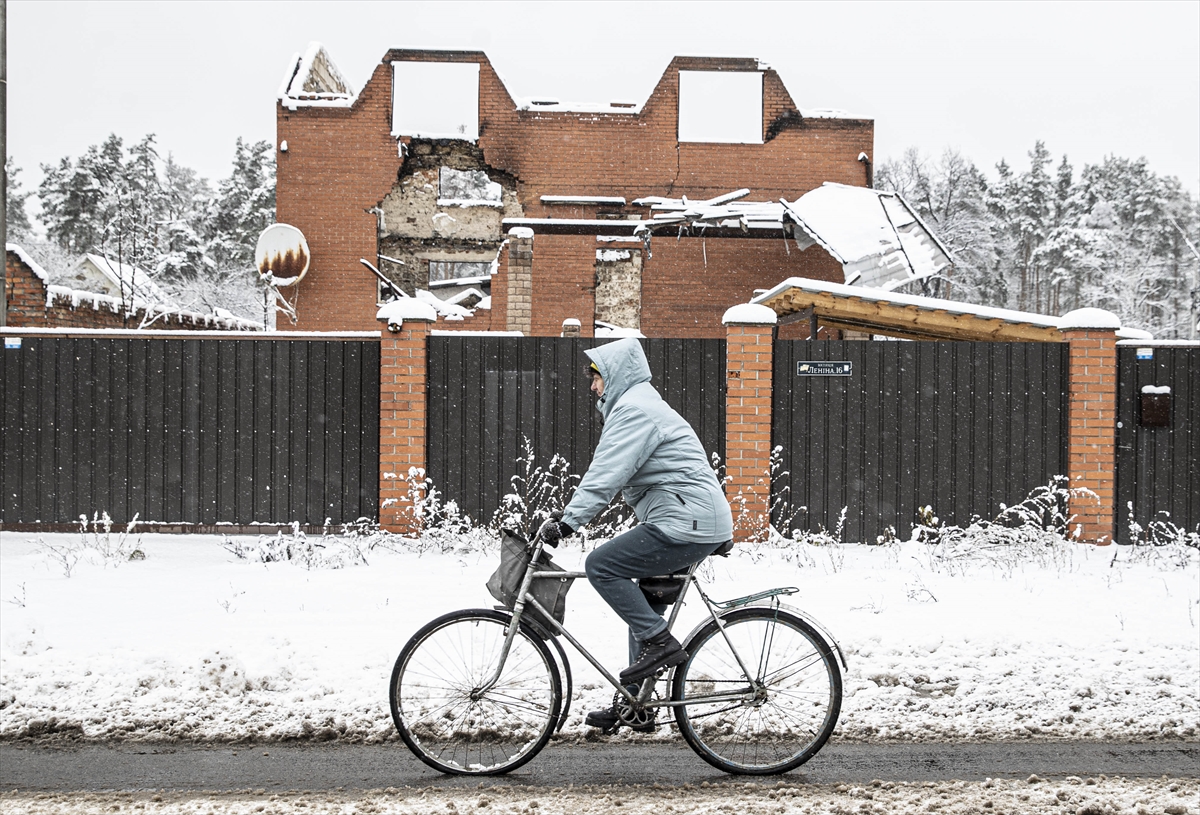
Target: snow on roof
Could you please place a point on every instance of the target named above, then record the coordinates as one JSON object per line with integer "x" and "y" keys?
{"x": 544, "y": 104}
{"x": 879, "y": 240}
{"x": 917, "y": 301}
{"x": 583, "y": 199}
{"x": 154, "y": 312}
{"x": 28, "y": 261}
{"x": 124, "y": 277}
{"x": 313, "y": 80}
{"x": 829, "y": 113}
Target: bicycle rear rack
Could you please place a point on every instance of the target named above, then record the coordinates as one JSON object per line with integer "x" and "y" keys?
{"x": 753, "y": 598}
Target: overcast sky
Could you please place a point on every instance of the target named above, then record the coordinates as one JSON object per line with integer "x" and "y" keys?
{"x": 1090, "y": 79}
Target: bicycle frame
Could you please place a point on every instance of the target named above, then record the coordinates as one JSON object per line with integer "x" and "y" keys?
{"x": 754, "y": 679}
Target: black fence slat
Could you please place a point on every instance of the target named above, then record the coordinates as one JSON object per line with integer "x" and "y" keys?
{"x": 174, "y": 432}
{"x": 257, "y": 411}
{"x": 280, "y": 422}
{"x": 191, "y": 396}
{"x": 351, "y": 426}
{"x": 152, "y": 464}
{"x": 368, "y": 463}
{"x": 298, "y": 354}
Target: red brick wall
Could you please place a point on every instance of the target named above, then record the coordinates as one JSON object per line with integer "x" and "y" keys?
{"x": 688, "y": 284}
{"x": 1092, "y": 430}
{"x": 564, "y": 283}
{"x": 25, "y": 292}
{"x": 342, "y": 162}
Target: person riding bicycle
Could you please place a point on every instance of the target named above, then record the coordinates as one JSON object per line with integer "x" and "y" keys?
{"x": 653, "y": 456}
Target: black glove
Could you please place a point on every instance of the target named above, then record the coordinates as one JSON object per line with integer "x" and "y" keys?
{"x": 554, "y": 530}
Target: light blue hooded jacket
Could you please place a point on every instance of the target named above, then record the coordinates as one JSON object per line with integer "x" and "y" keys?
{"x": 651, "y": 453}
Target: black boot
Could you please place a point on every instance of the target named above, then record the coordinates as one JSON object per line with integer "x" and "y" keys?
{"x": 609, "y": 720}
{"x": 660, "y": 651}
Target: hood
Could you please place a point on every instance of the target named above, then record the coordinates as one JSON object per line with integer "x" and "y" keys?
{"x": 623, "y": 365}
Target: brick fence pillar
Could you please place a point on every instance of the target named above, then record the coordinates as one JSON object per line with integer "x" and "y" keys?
{"x": 749, "y": 347}
{"x": 1092, "y": 421}
{"x": 403, "y": 373}
{"x": 520, "y": 280}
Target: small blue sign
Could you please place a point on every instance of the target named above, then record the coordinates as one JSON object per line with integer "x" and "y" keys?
{"x": 1145, "y": 353}
{"x": 12, "y": 342}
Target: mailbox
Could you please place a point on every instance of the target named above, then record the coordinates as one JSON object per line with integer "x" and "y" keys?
{"x": 1156, "y": 407}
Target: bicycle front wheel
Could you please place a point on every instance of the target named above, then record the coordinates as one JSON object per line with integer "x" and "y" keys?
{"x": 441, "y": 710}
{"x": 771, "y": 724}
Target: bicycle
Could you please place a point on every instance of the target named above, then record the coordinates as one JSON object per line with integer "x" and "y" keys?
{"x": 480, "y": 692}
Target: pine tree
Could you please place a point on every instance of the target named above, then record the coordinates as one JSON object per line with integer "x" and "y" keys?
{"x": 17, "y": 219}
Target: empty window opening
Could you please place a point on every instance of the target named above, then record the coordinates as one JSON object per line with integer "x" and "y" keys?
{"x": 457, "y": 270}
{"x": 467, "y": 186}
{"x": 721, "y": 106}
{"x": 437, "y": 100}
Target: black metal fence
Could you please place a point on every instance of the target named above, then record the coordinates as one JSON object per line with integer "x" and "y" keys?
{"x": 488, "y": 396}
{"x": 192, "y": 431}
{"x": 1158, "y": 441}
{"x": 961, "y": 427}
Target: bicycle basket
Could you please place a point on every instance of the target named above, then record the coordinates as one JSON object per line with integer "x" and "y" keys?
{"x": 505, "y": 582}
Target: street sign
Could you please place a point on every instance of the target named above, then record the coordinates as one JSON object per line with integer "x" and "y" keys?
{"x": 824, "y": 368}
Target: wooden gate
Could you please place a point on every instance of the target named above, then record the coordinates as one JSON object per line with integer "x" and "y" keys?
{"x": 959, "y": 426}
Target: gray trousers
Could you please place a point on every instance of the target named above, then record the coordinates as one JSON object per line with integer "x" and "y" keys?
{"x": 643, "y": 551}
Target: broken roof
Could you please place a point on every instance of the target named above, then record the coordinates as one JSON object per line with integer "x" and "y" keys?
{"x": 876, "y": 236}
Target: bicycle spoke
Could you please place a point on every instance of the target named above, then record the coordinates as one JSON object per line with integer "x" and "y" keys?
{"x": 440, "y": 710}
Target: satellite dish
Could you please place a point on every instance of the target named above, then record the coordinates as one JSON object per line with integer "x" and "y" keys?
{"x": 282, "y": 253}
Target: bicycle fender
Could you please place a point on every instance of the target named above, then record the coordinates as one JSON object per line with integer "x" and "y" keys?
{"x": 804, "y": 615}
{"x": 821, "y": 629}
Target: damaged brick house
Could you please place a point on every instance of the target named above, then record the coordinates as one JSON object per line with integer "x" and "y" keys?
{"x": 437, "y": 175}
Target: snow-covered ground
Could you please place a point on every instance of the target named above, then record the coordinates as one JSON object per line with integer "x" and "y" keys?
{"x": 1033, "y": 796}
{"x": 192, "y": 642}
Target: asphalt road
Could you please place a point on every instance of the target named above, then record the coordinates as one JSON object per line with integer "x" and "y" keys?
{"x": 325, "y": 767}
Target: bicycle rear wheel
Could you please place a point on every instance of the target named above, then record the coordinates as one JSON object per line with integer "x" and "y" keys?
{"x": 781, "y": 719}
{"x": 444, "y": 717}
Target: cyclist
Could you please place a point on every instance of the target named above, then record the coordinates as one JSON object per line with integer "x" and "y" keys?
{"x": 650, "y": 453}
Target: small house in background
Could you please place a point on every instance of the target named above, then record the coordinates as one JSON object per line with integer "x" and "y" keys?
{"x": 124, "y": 281}
{"x": 33, "y": 302}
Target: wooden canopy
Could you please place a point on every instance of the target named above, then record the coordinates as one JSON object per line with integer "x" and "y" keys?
{"x": 872, "y": 311}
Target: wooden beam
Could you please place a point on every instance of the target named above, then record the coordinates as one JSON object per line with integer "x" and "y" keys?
{"x": 902, "y": 320}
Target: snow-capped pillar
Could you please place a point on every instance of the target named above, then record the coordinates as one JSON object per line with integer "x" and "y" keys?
{"x": 571, "y": 327}
{"x": 403, "y": 373}
{"x": 519, "y": 316}
{"x": 1092, "y": 421}
{"x": 749, "y": 332}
